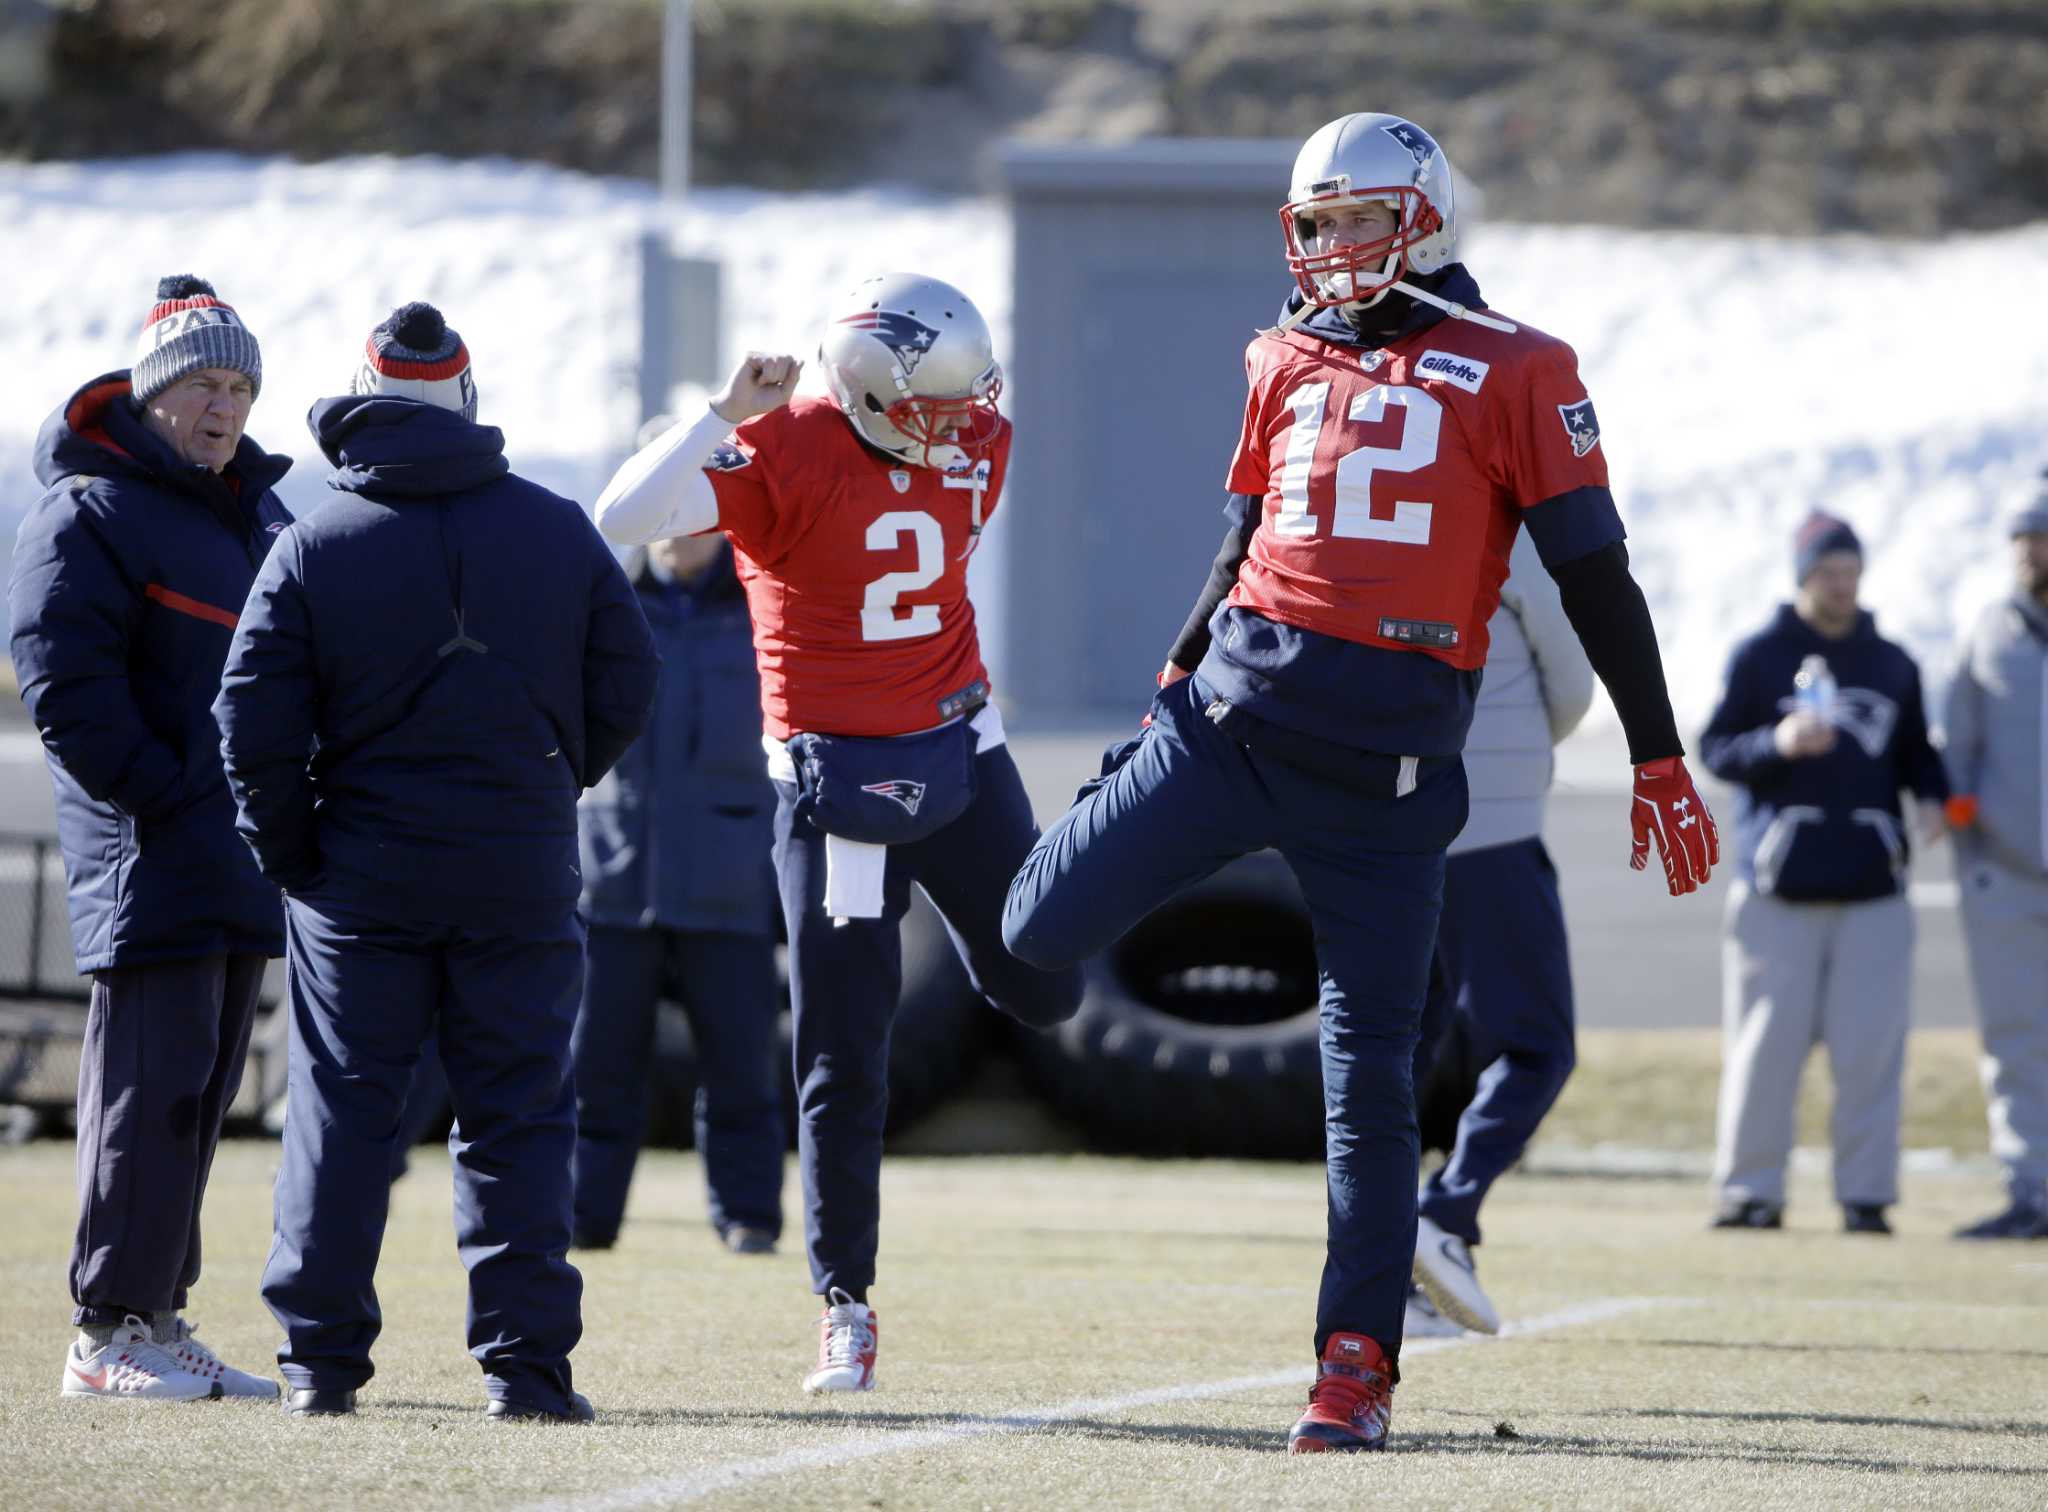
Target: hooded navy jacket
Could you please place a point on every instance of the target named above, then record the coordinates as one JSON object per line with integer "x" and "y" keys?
{"x": 678, "y": 835}
{"x": 428, "y": 671}
{"x": 128, "y": 575}
{"x": 1823, "y": 828}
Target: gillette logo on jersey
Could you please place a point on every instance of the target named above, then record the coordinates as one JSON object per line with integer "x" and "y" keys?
{"x": 907, "y": 337}
{"x": 1462, "y": 371}
{"x": 1392, "y": 493}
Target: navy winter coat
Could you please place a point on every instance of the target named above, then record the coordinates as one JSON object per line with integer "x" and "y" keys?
{"x": 1823, "y": 828}
{"x": 467, "y": 655}
{"x": 678, "y": 835}
{"x": 128, "y": 575}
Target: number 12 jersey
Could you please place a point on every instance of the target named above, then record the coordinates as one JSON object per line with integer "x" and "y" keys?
{"x": 1393, "y": 480}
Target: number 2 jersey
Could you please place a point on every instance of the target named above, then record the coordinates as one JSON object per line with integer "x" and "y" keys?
{"x": 855, "y": 570}
{"x": 1390, "y": 478}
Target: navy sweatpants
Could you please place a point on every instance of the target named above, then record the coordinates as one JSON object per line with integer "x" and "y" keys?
{"x": 844, "y": 981}
{"x": 726, "y": 984}
{"x": 1502, "y": 942}
{"x": 1371, "y": 865}
{"x": 165, "y": 1044}
{"x": 366, "y": 992}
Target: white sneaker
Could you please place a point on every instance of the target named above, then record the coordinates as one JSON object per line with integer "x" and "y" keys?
{"x": 130, "y": 1367}
{"x": 1424, "y": 1321}
{"x": 846, "y": 1346}
{"x": 1444, "y": 1267}
{"x": 177, "y": 1340}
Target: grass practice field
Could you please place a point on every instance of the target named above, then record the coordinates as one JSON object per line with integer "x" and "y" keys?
{"x": 1071, "y": 1331}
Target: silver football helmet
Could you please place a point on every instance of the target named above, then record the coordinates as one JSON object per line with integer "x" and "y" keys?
{"x": 910, "y": 362}
{"x": 1366, "y": 157}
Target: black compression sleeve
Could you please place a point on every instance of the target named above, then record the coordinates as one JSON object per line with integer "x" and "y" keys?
{"x": 1606, "y": 608}
{"x": 1192, "y": 644}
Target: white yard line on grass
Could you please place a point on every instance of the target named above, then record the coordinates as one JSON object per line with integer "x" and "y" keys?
{"x": 677, "y": 1490}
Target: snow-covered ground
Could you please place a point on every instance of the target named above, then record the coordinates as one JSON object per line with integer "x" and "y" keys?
{"x": 1739, "y": 381}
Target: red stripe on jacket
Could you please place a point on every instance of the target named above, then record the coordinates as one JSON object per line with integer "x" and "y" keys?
{"x": 192, "y": 606}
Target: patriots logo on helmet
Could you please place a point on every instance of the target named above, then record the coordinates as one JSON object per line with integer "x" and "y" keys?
{"x": 725, "y": 457}
{"x": 905, "y": 335}
{"x": 1414, "y": 138}
{"x": 899, "y": 790}
{"x": 1581, "y": 424}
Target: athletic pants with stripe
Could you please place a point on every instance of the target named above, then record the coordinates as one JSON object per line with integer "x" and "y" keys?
{"x": 164, "y": 1048}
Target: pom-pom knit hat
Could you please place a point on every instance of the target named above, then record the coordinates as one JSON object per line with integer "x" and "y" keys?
{"x": 415, "y": 355}
{"x": 190, "y": 328}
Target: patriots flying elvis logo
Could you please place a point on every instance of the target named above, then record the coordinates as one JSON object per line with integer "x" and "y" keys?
{"x": 899, "y": 790}
{"x": 1581, "y": 424}
{"x": 1415, "y": 139}
{"x": 904, "y": 335}
{"x": 725, "y": 457}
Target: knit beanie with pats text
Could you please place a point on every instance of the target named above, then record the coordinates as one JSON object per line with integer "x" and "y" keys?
{"x": 190, "y": 328}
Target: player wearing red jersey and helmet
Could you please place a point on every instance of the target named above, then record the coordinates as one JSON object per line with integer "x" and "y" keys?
{"x": 852, "y": 519}
{"x": 1396, "y": 436}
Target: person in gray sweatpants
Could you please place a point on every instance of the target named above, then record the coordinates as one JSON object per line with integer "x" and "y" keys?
{"x": 1820, "y": 727}
{"x": 1995, "y": 719}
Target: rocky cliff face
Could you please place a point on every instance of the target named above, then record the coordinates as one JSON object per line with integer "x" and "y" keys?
{"x": 1785, "y": 116}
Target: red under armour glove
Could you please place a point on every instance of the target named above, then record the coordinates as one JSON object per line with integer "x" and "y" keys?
{"x": 1669, "y": 807}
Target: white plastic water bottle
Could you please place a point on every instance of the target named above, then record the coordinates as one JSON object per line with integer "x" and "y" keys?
{"x": 1814, "y": 688}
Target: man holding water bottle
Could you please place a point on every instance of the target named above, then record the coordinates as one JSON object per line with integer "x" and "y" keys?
{"x": 1820, "y": 727}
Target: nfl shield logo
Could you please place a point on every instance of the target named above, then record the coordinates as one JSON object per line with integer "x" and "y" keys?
{"x": 899, "y": 480}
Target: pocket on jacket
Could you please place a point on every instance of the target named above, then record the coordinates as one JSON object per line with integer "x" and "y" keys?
{"x": 1842, "y": 857}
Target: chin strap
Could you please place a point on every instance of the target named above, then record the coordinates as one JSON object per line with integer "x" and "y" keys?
{"x": 1449, "y": 306}
{"x": 1457, "y": 311}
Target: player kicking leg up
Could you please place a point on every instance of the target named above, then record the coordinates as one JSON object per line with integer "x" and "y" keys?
{"x": 852, "y": 519}
{"x": 1396, "y": 437}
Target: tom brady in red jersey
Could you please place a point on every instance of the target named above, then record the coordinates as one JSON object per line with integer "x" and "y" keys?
{"x": 852, "y": 519}
{"x": 1397, "y": 435}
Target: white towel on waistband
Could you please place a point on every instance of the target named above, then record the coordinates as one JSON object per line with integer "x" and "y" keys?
{"x": 854, "y": 872}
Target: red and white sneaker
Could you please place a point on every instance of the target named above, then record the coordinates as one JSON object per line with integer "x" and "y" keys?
{"x": 130, "y": 1367}
{"x": 177, "y": 1340}
{"x": 1351, "y": 1403}
{"x": 846, "y": 1346}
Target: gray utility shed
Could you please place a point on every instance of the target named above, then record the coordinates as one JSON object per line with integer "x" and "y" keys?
{"x": 1141, "y": 272}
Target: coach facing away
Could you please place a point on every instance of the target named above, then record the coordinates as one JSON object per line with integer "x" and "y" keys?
{"x": 127, "y": 577}
{"x": 429, "y": 670}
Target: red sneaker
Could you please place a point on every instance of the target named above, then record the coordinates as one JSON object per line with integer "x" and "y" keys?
{"x": 1351, "y": 1403}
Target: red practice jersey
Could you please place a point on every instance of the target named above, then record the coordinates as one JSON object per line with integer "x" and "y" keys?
{"x": 855, "y": 567}
{"x": 1393, "y": 480}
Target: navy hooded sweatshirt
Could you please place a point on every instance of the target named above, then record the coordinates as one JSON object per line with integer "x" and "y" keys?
{"x": 127, "y": 579}
{"x": 1823, "y": 828}
{"x": 429, "y": 670}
